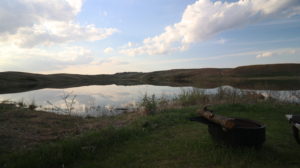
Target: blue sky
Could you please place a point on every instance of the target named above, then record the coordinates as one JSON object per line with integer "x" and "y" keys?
{"x": 100, "y": 36}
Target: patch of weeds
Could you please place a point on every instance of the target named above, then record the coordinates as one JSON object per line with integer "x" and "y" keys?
{"x": 149, "y": 103}
{"x": 192, "y": 97}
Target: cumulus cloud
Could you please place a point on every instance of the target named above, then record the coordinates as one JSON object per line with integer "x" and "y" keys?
{"x": 35, "y": 35}
{"x": 58, "y": 32}
{"x": 32, "y": 22}
{"x": 204, "y": 19}
{"x": 26, "y": 13}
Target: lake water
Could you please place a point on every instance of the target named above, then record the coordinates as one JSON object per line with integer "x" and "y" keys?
{"x": 112, "y": 99}
{"x": 91, "y": 100}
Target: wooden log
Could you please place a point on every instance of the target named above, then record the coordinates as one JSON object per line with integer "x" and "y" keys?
{"x": 225, "y": 122}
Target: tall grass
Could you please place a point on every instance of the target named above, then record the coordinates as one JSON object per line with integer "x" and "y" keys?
{"x": 199, "y": 97}
{"x": 192, "y": 97}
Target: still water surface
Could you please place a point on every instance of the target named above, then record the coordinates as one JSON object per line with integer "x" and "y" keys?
{"x": 112, "y": 99}
{"x": 92, "y": 100}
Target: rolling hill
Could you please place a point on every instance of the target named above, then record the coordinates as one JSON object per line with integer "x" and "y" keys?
{"x": 271, "y": 76}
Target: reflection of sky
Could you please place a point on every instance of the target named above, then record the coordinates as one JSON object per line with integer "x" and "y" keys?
{"x": 105, "y": 98}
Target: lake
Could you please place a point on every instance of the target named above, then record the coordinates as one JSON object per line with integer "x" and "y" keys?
{"x": 101, "y": 100}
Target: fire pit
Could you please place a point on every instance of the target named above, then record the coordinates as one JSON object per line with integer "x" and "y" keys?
{"x": 233, "y": 131}
{"x": 245, "y": 133}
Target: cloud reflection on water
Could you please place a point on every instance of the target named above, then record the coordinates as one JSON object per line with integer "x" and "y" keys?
{"x": 109, "y": 99}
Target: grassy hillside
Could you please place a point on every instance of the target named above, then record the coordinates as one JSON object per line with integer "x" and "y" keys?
{"x": 252, "y": 71}
{"x": 275, "y": 76}
{"x": 11, "y": 82}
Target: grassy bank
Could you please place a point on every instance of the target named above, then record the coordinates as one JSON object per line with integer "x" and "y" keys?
{"x": 24, "y": 128}
{"x": 169, "y": 139}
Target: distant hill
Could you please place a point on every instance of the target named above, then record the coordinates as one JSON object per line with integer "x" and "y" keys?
{"x": 276, "y": 76}
{"x": 270, "y": 72}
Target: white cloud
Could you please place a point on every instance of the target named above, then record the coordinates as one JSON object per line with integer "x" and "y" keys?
{"x": 36, "y": 59}
{"x": 204, "y": 19}
{"x": 57, "y": 59}
{"x": 33, "y": 22}
{"x": 35, "y": 35}
{"x": 279, "y": 52}
{"x": 108, "y": 50}
{"x": 26, "y": 13}
{"x": 265, "y": 54}
{"x": 58, "y": 32}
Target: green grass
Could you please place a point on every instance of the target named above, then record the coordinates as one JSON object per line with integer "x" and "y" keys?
{"x": 169, "y": 139}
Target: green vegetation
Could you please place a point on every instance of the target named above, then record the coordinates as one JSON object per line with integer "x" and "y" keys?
{"x": 169, "y": 139}
{"x": 160, "y": 135}
{"x": 192, "y": 97}
{"x": 150, "y": 104}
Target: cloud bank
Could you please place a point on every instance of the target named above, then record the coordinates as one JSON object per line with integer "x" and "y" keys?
{"x": 28, "y": 23}
{"x": 35, "y": 35}
{"x": 35, "y": 59}
{"x": 204, "y": 19}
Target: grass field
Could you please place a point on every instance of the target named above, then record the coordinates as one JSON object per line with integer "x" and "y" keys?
{"x": 169, "y": 139}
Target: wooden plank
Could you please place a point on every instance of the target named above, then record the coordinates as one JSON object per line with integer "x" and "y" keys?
{"x": 225, "y": 122}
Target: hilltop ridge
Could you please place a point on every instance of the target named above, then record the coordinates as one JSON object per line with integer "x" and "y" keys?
{"x": 250, "y": 76}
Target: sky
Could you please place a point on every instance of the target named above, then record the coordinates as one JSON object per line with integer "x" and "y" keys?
{"x": 110, "y": 36}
